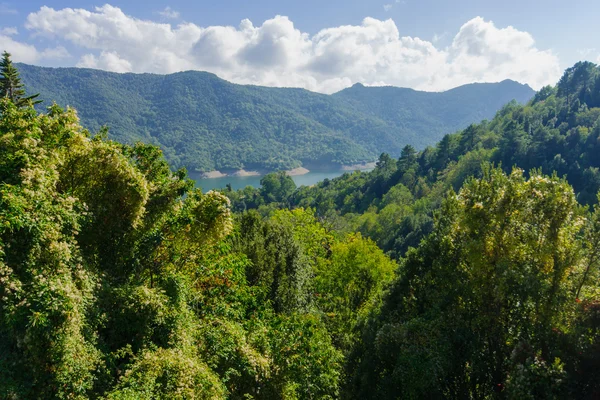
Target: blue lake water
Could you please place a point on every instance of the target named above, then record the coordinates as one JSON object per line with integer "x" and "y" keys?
{"x": 240, "y": 182}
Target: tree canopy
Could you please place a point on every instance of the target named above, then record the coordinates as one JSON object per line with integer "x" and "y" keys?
{"x": 453, "y": 272}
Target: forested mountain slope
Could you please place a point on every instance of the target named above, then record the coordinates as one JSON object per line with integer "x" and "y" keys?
{"x": 558, "y": 131}
{"x": 431, "y": 114}
{"x": 496, "y": 295}
{"x": 204, "y": 123}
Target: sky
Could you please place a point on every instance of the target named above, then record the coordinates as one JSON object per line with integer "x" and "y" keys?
{"x": 320, "y": 45}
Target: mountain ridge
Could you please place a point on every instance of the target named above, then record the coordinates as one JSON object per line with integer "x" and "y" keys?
{"x": 204, "y": 122}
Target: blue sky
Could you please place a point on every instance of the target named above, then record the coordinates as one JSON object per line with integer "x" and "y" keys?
{"x": 319, "y": 45}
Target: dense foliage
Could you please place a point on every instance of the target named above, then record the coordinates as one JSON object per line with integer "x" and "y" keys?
{"x": 120, "y": 281}
{"x": 496, "y": 295}
{"x": 487, "y": 306}
{"x": 205, "y": 123}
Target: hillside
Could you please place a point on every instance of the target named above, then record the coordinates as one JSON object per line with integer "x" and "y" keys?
{"x": 496, "y": 294}
{"x": 558, "y": 131}
{"x": 204, "y": 123}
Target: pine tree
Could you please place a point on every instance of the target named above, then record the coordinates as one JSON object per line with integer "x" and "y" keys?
{"x": 11, "y": 86}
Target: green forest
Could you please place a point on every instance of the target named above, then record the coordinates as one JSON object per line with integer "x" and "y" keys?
{"x": 205, "y": 123}
{"x": 467, "y": 270}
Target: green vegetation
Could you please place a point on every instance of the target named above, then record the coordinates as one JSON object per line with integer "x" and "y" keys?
{"x": 120, "y": 281}
{"x": 487, "y": 303}
{"x": 204, "y": 123}
{"x": 11, "y": 86}
{"x": 494, "y": 295}
{"x": 558, "y": 131}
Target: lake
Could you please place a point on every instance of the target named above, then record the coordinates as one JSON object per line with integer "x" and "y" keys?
{"x": 240, "y": 182}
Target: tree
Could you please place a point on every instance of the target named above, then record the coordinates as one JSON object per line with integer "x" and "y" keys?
{"x": 280, "y": 266}
{"x": 277, "y": 187}
{"x": 347, "y": 283}
{"x": 483, "y": 304}
{"x": 11, "y": 86}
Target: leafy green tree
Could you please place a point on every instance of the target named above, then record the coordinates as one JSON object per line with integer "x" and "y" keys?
{"x": 48, "y": 350}
{"x": 314, "y": 238}
{"x": 168, "y": 374}
{"x": 484, "y": 299}
{"x": 280, "y": 265}
{"x": 277, "y": 187}
{"x": 348, "y": 283}
{"x": 308, "y": 365}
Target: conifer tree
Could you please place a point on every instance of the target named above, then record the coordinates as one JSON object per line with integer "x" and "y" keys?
{"x": 11, "y": 86}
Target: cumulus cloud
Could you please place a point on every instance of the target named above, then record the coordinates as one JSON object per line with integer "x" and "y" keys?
{"x": 482, "y": 52}
{"x": 54, "y": 53}
{"x": 276, "y": 53}
{"x": 27, "y": 53}
{"x": 108, "y": 60}
{"x": 387, "y": 7}
{"x": 20, "y": 51}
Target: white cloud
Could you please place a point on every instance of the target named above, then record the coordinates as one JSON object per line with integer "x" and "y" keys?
{"x": 482, "y": 52}
{"x": 168, "y": 12}
{"x": 276, "y": 53}
{"x": 107, "y": 60}
{"x": 21, "y": 52}
{"x": 27, "y": 53}
{"x": 387, "y": 7}
{"x": 55, "y": 53}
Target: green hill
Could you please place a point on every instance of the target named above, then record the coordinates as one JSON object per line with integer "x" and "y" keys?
{"x": 204, "y": 123}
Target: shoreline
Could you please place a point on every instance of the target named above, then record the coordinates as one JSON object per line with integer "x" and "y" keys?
{"x": 212, "y": 174}
{"x": 297, "y": 171}
{"x": 292, "y": 172}
{"x": 243, "y": 172}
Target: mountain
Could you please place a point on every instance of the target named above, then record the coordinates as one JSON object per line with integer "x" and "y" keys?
{"x": 556, "y": 132}
{"x": 434, "y": 113}
{"x": 204, "y": 122}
